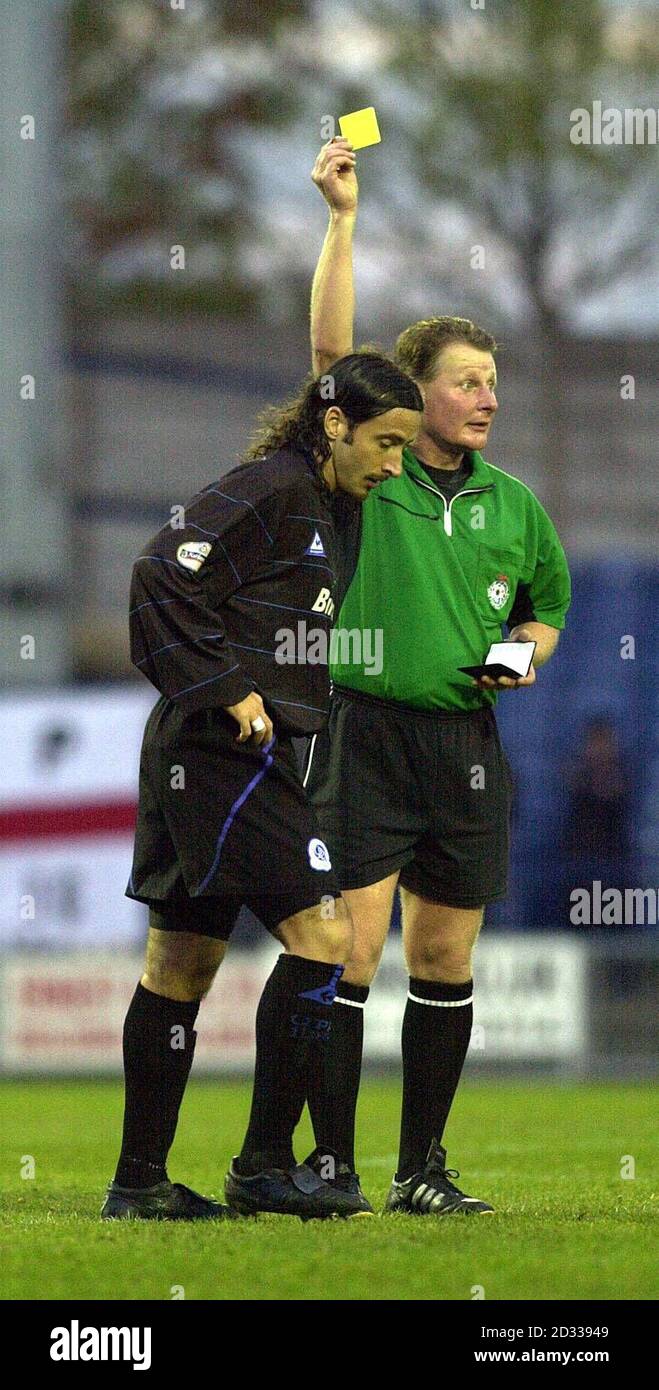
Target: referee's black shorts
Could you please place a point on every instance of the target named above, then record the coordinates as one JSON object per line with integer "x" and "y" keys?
{"x": 425, "y": 792}
{"x": 220, "y": 825}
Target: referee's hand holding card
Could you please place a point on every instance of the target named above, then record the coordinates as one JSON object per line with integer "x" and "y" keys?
{"x": 506, "y": 682}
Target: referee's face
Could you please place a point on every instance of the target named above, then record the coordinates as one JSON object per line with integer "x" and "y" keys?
{"x": 460, "y": 401}
{"x": 371, "y": 452}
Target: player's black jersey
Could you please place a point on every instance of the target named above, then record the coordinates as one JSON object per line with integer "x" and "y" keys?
{"x": 247, "y": 575}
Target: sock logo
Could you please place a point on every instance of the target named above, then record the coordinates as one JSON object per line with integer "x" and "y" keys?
{"x": 325, "y": 994}
{"x": 76, "y": 1343}
{"x": 306, "y": 1029}
{"x": 319, "y": 855}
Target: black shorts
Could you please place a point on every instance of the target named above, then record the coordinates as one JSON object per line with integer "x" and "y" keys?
{"x": 221, "y": 824}
{"x": 425, "y": 792}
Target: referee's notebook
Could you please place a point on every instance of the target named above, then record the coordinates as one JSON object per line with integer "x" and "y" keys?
{"x": 505, "y": 659}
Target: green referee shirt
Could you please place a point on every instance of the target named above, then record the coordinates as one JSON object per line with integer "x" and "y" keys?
{"x": 438, "y": 579}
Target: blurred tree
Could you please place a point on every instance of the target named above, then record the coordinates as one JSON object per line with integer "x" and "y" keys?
{"x": 170, "y": 111}
{"x": 155, "y": 98}
{"x": 495, "y": 89}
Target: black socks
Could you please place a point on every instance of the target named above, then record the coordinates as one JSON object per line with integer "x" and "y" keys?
{"x": 307, "y": 1047}
{"x": 159, "y": 1042}
{"x": 436, "y": 1031}
{"x": 335, "y": 1076}
{"x": 435, "y": 1038}
{"x": 293, "y": 1022}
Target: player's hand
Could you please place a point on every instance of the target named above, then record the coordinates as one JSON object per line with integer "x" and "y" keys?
{"x": 334, "y": 174}
{"x": 505, "y": 682}
{"x": 247, "y": 710}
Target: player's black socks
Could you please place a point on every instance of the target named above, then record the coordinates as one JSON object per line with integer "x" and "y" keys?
{"x": 289, "y": 1026}
{"x": 335, "y": 1075}
{"x": 159, "y": 1042}
{"x": 436, "y": 1035}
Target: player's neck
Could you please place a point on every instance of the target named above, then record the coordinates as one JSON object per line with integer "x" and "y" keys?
{"x": 438, "y": 455}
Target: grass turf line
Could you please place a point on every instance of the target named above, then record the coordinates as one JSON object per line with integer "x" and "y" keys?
{"x": 548, "y": 1156}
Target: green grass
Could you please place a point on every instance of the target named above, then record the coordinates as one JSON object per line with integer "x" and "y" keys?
{"x": 567, "y": 1226}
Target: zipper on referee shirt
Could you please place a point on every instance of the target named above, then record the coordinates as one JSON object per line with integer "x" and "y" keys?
{"x": 448, "y": 522}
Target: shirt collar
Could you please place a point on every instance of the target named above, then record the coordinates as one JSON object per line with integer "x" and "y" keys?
{"x": 314, "y": 468}
{"x": 480, "y": 471}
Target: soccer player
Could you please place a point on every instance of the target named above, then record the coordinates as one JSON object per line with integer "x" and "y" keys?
{"x": 409, "y": 779}
{"x": 223, "y": 818}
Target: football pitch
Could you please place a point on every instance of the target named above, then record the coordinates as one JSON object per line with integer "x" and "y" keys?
{"x": 550, "y": 1157}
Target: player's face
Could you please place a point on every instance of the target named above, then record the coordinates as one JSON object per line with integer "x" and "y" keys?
{"x": 460, "y": 402}
{"x": 375, "y": 452}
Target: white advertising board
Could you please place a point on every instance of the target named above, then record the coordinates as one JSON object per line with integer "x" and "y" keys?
{"x": 529, "y": 999}
{"x": 68, "y": 800}
{"x": 67, "y": 746}
{"x": 66, "y": 1013}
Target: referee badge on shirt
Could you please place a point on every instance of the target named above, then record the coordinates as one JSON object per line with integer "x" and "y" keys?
{"x": 499, "y": 591}
{"x": 318, "y": 855}
{"x": 193, "y": 553}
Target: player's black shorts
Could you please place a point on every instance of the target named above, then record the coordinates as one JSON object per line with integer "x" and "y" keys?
{"x": 221, "y": 824}
{"x": 426, "y": 792}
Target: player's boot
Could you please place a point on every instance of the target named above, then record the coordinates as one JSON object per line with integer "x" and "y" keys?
{"x": 166, "y": 1201}
{"x": 431, "y": 1192}
{"x": 344, "y": 1179}
{"x": 294, "y": 1191}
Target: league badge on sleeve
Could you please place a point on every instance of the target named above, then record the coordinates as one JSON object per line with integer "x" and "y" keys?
{"x": 192, "y": 554}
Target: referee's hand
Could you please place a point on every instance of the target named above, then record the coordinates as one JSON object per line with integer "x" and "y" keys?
{"x": 245, "y": 713}
{"x": 334, "y": 174}
{"x": 506, "y": 682}
{"x": 519, "y": 634}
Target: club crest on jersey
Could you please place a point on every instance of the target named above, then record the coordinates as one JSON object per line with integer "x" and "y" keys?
{"x": 316, "y": 547}
{"x": 192, "y": 554}
{"x": 319, "y": 855}
{"x": 498, "y": 591}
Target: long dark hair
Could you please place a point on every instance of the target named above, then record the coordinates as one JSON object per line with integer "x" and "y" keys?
{"x": 363, "y": 384}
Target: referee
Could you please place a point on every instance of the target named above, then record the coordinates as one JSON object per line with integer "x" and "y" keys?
{"x": 223, "y": 818}
{"x": 448, "y": 551}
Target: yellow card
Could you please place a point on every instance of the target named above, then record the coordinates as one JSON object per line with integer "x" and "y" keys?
{"x": 361, "y": 128}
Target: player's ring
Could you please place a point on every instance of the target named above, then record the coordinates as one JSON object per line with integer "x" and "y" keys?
{"x": 257, "y": 725}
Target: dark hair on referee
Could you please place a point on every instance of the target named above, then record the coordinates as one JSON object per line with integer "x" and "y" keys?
{"x": 363, "y": 384}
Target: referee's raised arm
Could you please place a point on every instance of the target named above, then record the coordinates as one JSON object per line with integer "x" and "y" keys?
{"x": 332, "y": 290}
